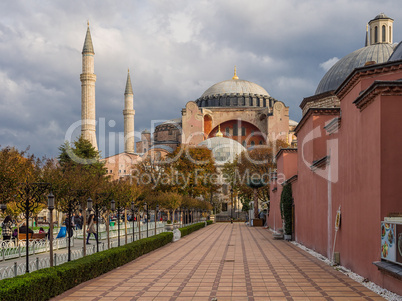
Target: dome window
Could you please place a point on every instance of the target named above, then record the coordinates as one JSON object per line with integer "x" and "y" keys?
{"x": 376, "y": 34}
{"x": 235, "y": 130}
{"x": 252, "y": 143}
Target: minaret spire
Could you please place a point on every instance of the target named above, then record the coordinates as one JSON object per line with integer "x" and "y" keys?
{"x": 235, "y": 74}
{"x": 128, "y": 113}
{"x": 88, "y": 79}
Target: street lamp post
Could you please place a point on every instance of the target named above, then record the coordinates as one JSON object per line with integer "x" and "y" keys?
{"x": 238, "y": 209}
{"x": 50, "y": 206}
{"x": 231, "y": 200}
{"x": 113, "y": 207}
{"x": 146, "y": 209}
{"x": 68, "y": 228}
{"x": 134, "y": 211}
{"x": 180, "y": 222}
{"x": 156, "y": 215}
{"x": 30, "y": 193}
{"x": 89, "y": 209}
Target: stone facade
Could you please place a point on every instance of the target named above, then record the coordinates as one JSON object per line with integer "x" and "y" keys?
{"x": 323, "y": 100}
{"x": 121, "y": 165}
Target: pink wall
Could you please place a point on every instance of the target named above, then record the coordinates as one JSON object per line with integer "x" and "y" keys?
{"x": 358, "y": 188}
{"x": 313, "y": 207}
{"x": 364, "y": 180}
{"x": 362, "y": 176}
{"x": 287, "y": 167}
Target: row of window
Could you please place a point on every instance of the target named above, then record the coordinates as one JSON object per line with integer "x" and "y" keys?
{"x": 384, "y": 33}
{"x": 257, "y": 102}
{"x": 236, "y": 131}
{"x": 111, "y": 171}
{"x": 252, "y": 143}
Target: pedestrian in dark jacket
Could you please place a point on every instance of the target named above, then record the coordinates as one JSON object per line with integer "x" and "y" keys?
{"x": 7, "y": 226}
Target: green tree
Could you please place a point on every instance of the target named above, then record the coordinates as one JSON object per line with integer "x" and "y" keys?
{"x": 286, "y": 206}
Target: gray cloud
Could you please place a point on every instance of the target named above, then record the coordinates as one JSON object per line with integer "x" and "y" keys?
{"x": 175, "y": 51}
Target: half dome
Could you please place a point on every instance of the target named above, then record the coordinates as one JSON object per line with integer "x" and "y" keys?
{"x": 224, "y": 150}
{"x": 378, "y": 53}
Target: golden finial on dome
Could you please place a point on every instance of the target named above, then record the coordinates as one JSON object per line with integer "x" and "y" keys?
{"x": 219, "y": 133}
{"x": 88, "y": 23}
{"x": 235, "y": 75}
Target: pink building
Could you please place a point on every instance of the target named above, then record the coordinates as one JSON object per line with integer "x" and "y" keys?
{"x": 349, "y": 158}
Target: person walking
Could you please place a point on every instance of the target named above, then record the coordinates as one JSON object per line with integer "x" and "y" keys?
{"x": 78, "y": 221}
{"x": 69, "y": 226}
{"x": 91, "y": 228}
{"x": 7, "y": 226}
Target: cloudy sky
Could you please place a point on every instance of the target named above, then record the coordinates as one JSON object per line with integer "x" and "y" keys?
{"x": 175, "y": 51}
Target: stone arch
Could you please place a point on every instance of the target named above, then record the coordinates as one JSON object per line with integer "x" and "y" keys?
{"x": 207, "y": 124}
{"x": 241, "y": 131}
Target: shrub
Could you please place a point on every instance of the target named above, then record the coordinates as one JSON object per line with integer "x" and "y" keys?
{"x": 286, "y": 208}
{"x": 210, "y": 222}
{"x": 50, "y": 282}
{"x": 190, "y": 229}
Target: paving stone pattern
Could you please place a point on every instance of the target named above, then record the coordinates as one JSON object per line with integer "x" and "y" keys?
{"x": 223, "y": 262}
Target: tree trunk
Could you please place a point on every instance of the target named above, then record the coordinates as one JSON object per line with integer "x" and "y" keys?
{"x": 84, "y": 232}
{"x": 107, "y": 224}
{"x": 255, "y": 203}
{"x": 125, "y": 223}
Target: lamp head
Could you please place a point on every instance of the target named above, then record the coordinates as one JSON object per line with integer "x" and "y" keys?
{"x": 89, "y": 204}
{"x": 50, "y": 201}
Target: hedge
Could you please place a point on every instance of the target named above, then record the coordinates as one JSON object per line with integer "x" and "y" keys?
{"x": 47, "y": 283}
{"x": 190, "y": 229}
{"x": 209, "y": 222}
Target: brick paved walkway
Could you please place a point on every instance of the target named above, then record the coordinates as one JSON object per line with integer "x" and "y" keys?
{"x": 226, "y": 262}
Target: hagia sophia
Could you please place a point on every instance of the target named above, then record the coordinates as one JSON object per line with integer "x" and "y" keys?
{"x": 343, "y": 157}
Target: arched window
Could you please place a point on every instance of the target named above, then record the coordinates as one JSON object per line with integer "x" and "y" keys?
{"x": 252, "y": 143}
{"x": 376, "y": 34}
{"x": 260, "y": 142}
{"x": 383, "y": 33}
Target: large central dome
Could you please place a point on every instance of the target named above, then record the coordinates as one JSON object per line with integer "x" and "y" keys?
{"x": 235, "y": 93}
{"x": 235, "y": 86}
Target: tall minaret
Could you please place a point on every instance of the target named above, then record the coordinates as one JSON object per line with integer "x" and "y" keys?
{"x": 88, "y": 79}
{"x": 128, "y": 113}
